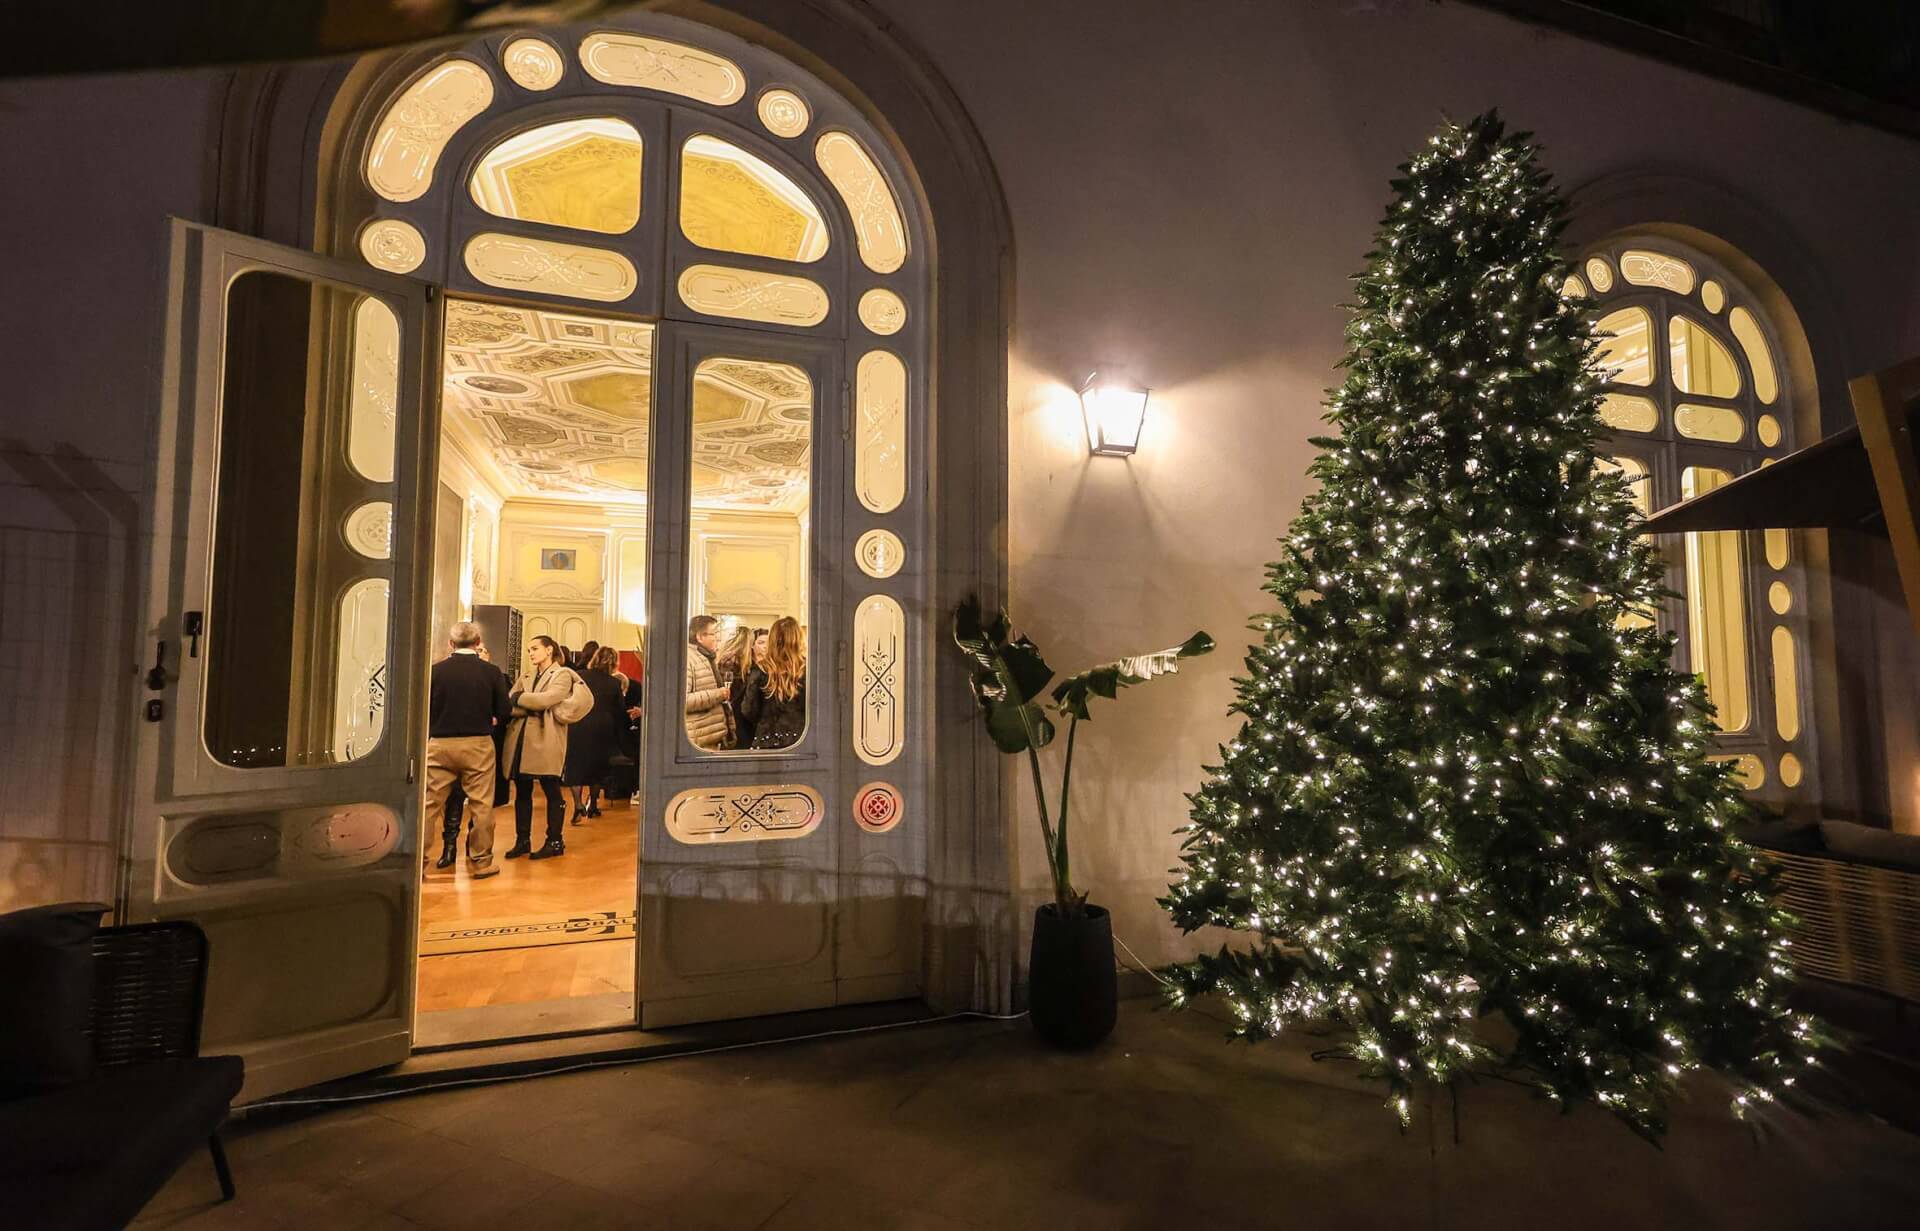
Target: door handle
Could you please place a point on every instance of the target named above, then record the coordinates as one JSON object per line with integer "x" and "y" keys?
{"x": 190, "y": 625}
{"x": 157, "y": 678}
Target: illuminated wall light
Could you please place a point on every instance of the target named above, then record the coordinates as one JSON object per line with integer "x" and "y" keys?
{"x": 1115, "y": 408}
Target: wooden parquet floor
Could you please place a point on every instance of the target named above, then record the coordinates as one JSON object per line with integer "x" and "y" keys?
{"x": 597, "y": 873}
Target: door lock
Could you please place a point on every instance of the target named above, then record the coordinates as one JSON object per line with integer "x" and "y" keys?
{"x": 190, "y": 625}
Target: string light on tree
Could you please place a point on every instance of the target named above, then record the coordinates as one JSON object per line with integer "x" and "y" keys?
{"x": 1470, "y": 817}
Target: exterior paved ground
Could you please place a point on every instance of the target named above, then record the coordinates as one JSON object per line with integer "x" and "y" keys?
{"x": 972, "y": 1124}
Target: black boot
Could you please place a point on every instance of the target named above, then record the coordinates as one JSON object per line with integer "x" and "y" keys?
{"x": 553, "y": 848}
{"x": 446, "y": 856}
{"x": 520, "y": 847}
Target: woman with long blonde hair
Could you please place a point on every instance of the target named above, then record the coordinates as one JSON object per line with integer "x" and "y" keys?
{"x": 733, "y": 665}
{"x": 776, "y": 693}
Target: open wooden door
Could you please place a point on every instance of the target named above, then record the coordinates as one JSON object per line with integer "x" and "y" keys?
{"x": 276, "y": 799}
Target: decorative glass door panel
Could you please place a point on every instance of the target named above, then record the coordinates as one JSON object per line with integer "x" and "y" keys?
{"x": 739, "y": 851}
{"x": 278, "y": 805}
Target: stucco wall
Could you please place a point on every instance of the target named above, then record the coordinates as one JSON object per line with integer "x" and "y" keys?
{"x": 1190, "y": 188}
{"x": 93, "y": 173}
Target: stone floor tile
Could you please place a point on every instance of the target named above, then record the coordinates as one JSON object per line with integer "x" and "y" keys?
{"x": 574, "y": 1207}
{"x": 695, "y": 1181}
{"x": 481, "y": 1187}
{"x": 828, "y": 1205}
{"x": 273, "y": 1204}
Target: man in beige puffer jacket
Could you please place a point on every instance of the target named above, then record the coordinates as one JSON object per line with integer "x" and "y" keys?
{"x": 709, "y": 725}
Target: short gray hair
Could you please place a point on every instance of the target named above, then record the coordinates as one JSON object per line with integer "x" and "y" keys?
{"x": 464, "y": 635}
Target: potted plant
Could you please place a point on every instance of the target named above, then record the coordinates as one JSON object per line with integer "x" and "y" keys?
{"x": 1071, "y": 990}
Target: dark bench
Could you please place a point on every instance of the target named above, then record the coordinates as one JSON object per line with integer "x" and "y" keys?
{"x": 106, "y": 1093}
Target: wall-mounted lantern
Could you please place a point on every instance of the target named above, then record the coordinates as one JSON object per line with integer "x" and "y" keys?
{"x": 1115, "y": 407}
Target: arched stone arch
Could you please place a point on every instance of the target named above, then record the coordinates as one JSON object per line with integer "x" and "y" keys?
{"x": 280, "y": 124}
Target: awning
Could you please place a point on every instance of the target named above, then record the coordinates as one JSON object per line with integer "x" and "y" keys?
{"x": 1866, "y": 477}
{"x": 1827, "y": 485}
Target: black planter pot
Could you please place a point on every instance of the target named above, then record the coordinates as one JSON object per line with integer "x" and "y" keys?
{"x": 1072, "y": 991}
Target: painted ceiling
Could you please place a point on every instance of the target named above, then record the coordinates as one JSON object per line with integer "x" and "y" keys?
{"x": 585, "y": 174}
{"x": 579, "y": 173}
{"x": 557, "y": 405}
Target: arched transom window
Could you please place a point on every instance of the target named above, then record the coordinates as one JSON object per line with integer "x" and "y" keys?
{"x": 1694, "y": 398}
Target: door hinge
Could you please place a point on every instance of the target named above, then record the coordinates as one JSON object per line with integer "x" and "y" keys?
{"x": 413, "y": 769}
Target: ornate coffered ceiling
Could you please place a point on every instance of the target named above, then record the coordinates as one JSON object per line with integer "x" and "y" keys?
{"x": 578, "y": 173}
{"x": 557, "y": 405}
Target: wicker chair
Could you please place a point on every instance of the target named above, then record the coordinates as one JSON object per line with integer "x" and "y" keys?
{"x": 1858, "y": 923}
{"x": 87, "y": 1151}
{"x": 149, "y": 989}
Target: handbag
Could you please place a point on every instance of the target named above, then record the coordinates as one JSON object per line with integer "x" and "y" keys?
{"x": 578, "y": 705}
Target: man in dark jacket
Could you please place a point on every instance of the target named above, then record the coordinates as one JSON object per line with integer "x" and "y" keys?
{"x": 467, "y": 700}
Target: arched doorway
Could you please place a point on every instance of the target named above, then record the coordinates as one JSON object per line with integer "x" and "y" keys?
{"x": 686, "y": 290}
{"x": 762, "y": 887}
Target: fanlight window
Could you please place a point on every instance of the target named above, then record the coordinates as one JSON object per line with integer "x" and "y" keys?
{"x": 733, "y": 201}
{"x": 583, "y": 174}
{"x": 1687, "y": 418}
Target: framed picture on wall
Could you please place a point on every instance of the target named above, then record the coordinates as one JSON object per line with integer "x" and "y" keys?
{"x": 558, "y": 558}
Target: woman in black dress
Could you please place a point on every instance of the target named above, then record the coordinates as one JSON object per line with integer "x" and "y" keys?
{"x": 593, "y": 740}
{"x": 775, "y": 699}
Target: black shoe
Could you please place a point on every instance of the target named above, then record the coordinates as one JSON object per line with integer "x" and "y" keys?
{"x": 579, "y": 814}
{"x": 519, "y": 848}
{"x": 593, "y": 810}
{"x": 553, "y": 847}
{"x": 446, "y": 857}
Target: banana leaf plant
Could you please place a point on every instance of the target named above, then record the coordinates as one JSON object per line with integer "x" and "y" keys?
{"x": 1009, "y": 681}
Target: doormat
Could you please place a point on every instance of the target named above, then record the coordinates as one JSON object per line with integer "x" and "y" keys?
{"x": 526, "y": 931}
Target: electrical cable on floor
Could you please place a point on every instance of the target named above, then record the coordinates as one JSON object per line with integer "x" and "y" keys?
{"x": 1163, "y": 981}
{"x": 276, "y": 1104}
{"x": 1149, "y": 971}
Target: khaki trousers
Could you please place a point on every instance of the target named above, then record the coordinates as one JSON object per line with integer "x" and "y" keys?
{"x": 468, "y": 758}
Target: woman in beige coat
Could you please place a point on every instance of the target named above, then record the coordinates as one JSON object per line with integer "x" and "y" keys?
{"x": 536, "y": 747}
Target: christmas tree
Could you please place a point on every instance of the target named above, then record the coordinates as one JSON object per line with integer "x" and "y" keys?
{"x": 1470, "y": 820}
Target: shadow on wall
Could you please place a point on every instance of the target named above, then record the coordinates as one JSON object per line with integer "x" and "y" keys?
{"x": 69, "y": 591}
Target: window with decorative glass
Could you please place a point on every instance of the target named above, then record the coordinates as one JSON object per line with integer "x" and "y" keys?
{"x": 1693, "y": 399}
